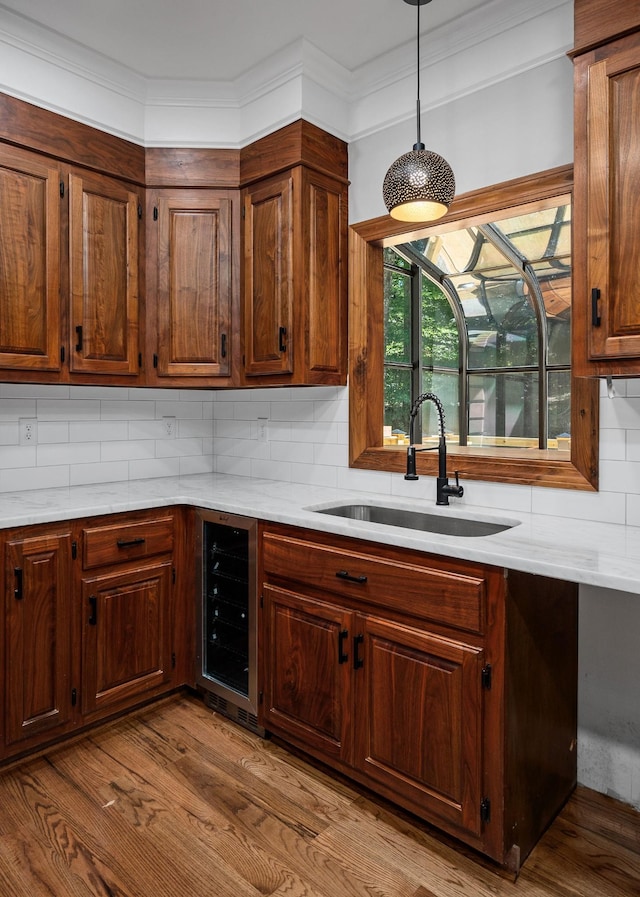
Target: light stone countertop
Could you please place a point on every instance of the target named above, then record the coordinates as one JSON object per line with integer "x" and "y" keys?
{"x": 606, "y": 555}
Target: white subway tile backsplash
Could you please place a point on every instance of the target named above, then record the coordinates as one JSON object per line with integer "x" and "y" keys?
{"x": 300, "y": 452}
{"x": 12, "y": 480}
{"x": 608, "y": 507}
{"x": 54, "y": 431}
{"x": 17, "y": 456}
{"x": 179, "y": 409}
{"x": 96, "y": 430}
{"x": 128, "y": 450}
{"x": 314, "y": 475}
{"x": 69, "y": 409}
{"x": 196, "y": 464}
{"x": 33, "y": 391}
{"x": 169, "y": 448}
{"x": 102, "y": 472}
{"x": 9, "y": 432}
{"x": 67, "y": 453}
{"x": 331, "y": 453}
{"x": 12, "y": 409}
{"x": 154, "y": 467}
{"x": 125, "y": 410}
{"x": 232, "y": 466}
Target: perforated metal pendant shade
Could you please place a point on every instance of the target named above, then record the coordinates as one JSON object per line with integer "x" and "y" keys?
{"x": 420, "y": 185}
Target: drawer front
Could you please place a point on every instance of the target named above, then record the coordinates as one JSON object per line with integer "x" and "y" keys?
{"x": 115, "y": 544}
{"x": 453, "y": 599}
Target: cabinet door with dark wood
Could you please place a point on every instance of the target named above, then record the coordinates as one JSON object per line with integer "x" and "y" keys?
{"x": 268, "y": 217}
{"x": 607, "y": 216}
{"x": 307, "y": 671}
{"x": 38, "y": 698}
{"x": 30, "y": 222}
{"x": 191, "y": 232}
{"x": 103, "y": 236}
{"x": 419, "y": 723}
{"x": 126, "y": 637}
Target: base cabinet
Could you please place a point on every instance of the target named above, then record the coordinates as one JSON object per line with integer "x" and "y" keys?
{"x": 37, "y": 638}
{"x": 445, "y": 686}
{"x": 90, "y": 623}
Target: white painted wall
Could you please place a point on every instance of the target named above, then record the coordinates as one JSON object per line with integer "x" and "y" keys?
{"x": 493, "y": 122}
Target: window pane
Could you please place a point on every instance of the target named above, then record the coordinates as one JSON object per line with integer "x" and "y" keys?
{"x": 503, "y": 408}
{"x": 397, "y": 316}
{"x": 445, "y": 386}
{"x": 559, "y": 405}
{"x": 501, "y": 323}
{"x": 440, "y": 340}
{"x": 397, "y": 398}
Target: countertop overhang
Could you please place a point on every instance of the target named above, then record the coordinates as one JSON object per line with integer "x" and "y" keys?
{"x": 598, "y": 554}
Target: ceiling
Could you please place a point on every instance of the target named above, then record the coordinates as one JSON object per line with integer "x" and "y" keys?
{"x": 219, "y": 40}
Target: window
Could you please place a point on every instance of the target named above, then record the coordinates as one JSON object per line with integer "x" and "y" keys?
{"x": 481, "y": 316}
{"x": 476, "y": 308}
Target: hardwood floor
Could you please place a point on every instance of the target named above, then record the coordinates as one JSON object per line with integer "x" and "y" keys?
{"x": 177, "y": 801}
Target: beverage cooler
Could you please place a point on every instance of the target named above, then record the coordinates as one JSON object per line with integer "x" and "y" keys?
{"x": 227, "y": 615}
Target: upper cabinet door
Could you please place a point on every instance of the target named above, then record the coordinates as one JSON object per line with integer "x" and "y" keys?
{"x": 103, "y": 235}
{"x": 194, "y": 283}
{"x": 607, "y": 214}
{"x": 268, "y": 277}
{"x": 30, "y": 204}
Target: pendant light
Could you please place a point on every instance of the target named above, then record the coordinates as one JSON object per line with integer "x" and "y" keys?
{"x": 420, "y": 185}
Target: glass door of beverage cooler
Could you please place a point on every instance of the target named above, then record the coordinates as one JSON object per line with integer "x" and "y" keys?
{"x": 227, "y": 614}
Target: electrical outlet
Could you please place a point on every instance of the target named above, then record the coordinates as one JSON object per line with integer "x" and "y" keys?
{"x": 169, "y": 427}
{"x": 28, "y": 430}
{"x": 262, "y": 429}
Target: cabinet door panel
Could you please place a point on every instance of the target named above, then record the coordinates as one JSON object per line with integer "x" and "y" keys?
{"x": 194, "y": 284}
{"x": 103, "y": 233}
{"x": 611, "y": 120}
{"x": 30, "y": 262}
{"x": 37, "y": 638}
{"x": 420, "y": 696}
{"x": 268, "y": 272}
{"x": 327, "y": 284}
{"x": 126, "y": 636}
{"x": 307, "y": 670}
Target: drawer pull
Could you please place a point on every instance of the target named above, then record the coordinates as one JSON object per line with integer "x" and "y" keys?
{"x": 93, "y": 617}
{"x": 342, "y": 637}
{"x": 344, "y": 574}
{"x": 358, "y": 662}
{"x": 17, "y": 592}
{"x": 128, "y": 543}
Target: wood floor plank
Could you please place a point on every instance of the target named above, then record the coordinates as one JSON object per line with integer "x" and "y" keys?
{"x": 176, "y": 801}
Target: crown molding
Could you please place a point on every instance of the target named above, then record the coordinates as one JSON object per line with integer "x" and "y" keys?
{"x": 480, "y": 48}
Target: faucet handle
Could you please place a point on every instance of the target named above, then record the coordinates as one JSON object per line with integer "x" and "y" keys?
{"x": 458, "y": 487}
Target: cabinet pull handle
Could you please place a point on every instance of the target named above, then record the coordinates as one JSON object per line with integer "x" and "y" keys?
{"x": 342, "y": 637}
{"x": 79, "y": 333}
{"x": 128, "y": 543}
{"x": 223, "y": 345}
{"x": 282, "y": 333}
{"x": 93, "y": 617}
{"x": 358, "y": 662}
{"x": 344, "y": 574}
{"x": 17, "y": 592}
{"x": 595, "y": 298}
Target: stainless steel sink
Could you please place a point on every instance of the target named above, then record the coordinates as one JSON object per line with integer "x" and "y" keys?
{"x": 420, "y": 520}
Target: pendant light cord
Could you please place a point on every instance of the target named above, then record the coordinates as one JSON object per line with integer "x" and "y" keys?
{"x": 419, "y": 144}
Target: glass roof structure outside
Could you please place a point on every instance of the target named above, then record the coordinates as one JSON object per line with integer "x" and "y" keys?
{"x": 508, "y": 283}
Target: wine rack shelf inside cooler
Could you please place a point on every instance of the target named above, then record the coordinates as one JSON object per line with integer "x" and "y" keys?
{"x": 226, "y": 606}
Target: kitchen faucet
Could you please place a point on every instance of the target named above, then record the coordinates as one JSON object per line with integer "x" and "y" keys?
{"x": 443, "y": 489}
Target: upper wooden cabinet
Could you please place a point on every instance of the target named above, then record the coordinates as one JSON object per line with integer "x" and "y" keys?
{"x": 191, "y": 284}
{"x": 104, "y": 283}
{"x": 606, "y": 269}
{"x": 294, "y": 290}
{"x": 30, "y": 228}
{"x": 599, "y": 21}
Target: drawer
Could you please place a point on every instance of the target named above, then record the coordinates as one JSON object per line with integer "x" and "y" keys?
{"x": 453, "y": 599}
{"x": 117, "y": 543}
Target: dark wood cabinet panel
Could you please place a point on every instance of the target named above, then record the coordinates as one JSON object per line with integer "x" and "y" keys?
{"x": 30, "y": 226}
{"x": 104, "y": 285}
{"x": 191, "y": 283}
{"x": 268, "y": 278}
{"x": 307, "y": 686}
{"x": 422, "y": 740}
{"x": 126, "y": 637}
{"x": 37, "y": 637}
{"x": 599, "y": 21}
